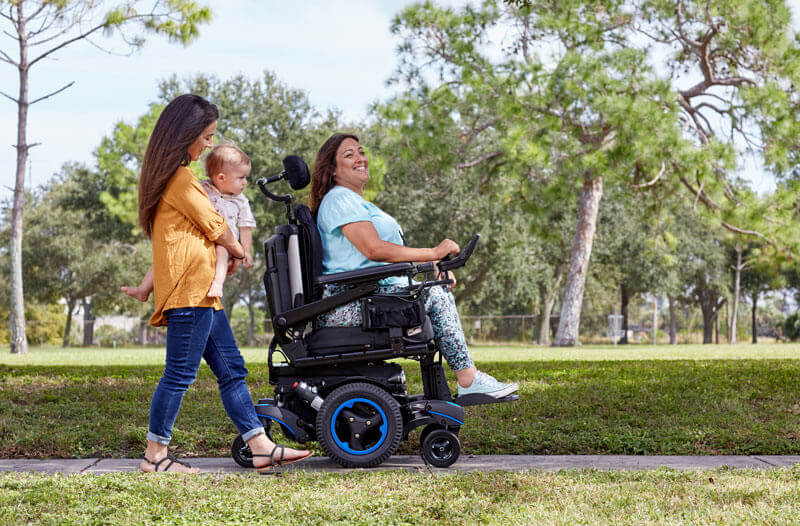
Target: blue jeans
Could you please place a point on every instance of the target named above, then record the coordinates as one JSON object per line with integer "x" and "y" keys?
{"x": 194, "y": 333}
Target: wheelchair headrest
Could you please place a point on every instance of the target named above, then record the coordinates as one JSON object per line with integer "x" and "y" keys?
{"x": 296, "y": 172}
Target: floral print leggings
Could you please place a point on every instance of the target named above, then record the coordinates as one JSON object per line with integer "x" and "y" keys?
{"x": 440, "y": 306}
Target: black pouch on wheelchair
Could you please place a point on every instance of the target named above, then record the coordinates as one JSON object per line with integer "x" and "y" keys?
{"x": 388, "y": 311}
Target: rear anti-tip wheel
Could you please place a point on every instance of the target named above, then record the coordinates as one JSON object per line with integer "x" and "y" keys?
{"x": 359, "y": 425}
{"x": 241, "y": 453}
{"x": 441, "y": 448}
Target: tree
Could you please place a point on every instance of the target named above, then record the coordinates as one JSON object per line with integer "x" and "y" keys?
{"x": 41, "y": 29}
{"x": 740, "y": 97}
{"x": 582, "y": 90}
{"x": 586, "y": 111}
{"x": 631, "y": 244}
{"x": 423, "y": 149}
{"x": 762, "y": 274}
{"x": 70, "y": 252}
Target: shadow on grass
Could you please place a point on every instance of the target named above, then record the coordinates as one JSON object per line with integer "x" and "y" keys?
{"x": 567, "y": 407}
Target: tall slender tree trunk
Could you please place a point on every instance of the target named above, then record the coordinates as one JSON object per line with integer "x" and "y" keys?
{"x": 754, "y": 323}
{"x": 716, "y": 328}
{"x": 623, "y": 309}
{"x": 549, "y": 295}
{"x": 251, "y": 332}
{"x": 673, "y": 322}
{"x": 68, "y": 325}
{"x": 736, "y": 293}
{"x": 588, "y": 208}
{"x": 143, "y": 323}
{"x": 88, "y": 323}
{"x": 19, "y": 341}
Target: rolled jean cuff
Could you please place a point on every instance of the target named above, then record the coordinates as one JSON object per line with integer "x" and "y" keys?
{"x": 252, "y": 433}
{"x": 158, "y": 439}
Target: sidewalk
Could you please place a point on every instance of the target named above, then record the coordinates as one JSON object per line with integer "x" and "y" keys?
{"x": 415, "y": 463}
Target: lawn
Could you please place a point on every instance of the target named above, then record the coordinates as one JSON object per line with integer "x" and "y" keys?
{"x": 570, "y": 497}
{"x": 590, "y": 400}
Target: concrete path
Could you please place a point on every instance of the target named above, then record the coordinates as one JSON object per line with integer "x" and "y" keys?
{"x": 415, "y": 463}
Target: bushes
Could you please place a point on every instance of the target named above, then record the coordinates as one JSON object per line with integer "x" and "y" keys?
{"x": 791, "y": 327}
{"x": 44, "y": 324}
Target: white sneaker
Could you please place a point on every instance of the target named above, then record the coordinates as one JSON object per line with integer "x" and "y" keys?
{"x": 486, "y": 384}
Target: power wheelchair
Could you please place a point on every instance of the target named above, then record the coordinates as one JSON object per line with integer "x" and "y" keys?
{"x": 335, "y": 384}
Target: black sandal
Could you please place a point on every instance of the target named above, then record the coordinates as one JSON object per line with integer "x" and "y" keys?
{"x": 281, "y": 461}
{"x": 172, "y": 460}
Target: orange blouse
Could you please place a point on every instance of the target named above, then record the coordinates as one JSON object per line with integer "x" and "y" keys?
{"x": 184, "y": 230}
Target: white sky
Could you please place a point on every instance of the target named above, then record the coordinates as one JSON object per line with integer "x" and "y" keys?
{"x": 339, "y": 51}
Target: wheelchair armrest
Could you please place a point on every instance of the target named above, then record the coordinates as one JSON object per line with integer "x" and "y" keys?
{"x": 368, "y": 274}
{"x": 309, "y": 311}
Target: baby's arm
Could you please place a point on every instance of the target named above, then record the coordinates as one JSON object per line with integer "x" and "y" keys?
{"x": 246, "y": 239}
{"x": 220, "y": 271}
{"x": 142, "y": 292}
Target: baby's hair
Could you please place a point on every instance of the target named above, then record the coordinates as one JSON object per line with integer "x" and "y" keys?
{"x": 224, "y": 155}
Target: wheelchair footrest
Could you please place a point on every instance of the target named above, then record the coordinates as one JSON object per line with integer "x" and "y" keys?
{"x": 481, "y": 399}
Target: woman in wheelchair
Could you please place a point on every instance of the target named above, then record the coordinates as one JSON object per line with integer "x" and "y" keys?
{"x": 356, "y": 234}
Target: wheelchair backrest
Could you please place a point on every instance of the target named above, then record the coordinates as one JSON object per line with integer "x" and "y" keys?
{"x": 294, "y": 261}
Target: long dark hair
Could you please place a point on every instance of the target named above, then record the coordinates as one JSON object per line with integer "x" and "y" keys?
{"x": 178, "y": 126}
{"x": 324, "y": 166}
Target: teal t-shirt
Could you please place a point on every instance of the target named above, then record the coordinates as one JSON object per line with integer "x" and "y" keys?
{"x": 341, "y": 206}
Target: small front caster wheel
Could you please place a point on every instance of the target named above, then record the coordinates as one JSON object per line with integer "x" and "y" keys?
{"x": 241, "y": 453}
{"x": 441, "y": 448}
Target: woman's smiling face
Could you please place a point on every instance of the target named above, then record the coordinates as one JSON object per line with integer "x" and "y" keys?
{"x": 352, "y": 165}
{"x": 203, "y": 142}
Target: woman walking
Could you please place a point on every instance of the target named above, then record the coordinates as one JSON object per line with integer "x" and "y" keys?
{"x": 176, "y": 214}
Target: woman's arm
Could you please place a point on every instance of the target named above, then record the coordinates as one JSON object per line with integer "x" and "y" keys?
{"x": 365, "y": 238}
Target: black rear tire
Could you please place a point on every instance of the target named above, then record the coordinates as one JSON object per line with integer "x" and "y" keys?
{"x": 359, "y": 425}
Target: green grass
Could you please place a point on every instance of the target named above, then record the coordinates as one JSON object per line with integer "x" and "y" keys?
{"x": 570, "y": 497}
{"x": 591, "y": 400}
{"x": 481, "y": 353}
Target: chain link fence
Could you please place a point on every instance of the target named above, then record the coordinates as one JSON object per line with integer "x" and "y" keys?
{"x": 595, "y": 328}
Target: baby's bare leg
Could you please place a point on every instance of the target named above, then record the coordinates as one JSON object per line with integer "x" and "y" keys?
{"x": 142, "y": 292}
{"x": 220, "y": 271}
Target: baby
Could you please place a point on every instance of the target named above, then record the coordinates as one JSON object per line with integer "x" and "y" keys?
{"x": 228, "y": 168}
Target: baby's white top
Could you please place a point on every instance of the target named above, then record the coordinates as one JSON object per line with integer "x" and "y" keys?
{"x": 234, "y": 208}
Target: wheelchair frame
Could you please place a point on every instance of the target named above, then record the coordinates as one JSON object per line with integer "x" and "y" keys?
{"x": 336, "y": 385}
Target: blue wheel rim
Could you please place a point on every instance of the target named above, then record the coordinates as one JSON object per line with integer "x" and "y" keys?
{"x": 344, "y": 446}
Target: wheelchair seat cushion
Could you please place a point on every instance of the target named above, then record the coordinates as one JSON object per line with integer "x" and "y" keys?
{"x": 334, "y": 340}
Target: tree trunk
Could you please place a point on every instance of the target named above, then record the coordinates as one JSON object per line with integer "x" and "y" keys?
{"x": 736, "y": 288}
{"x": 708, "y": 326}
{"x": 673, "y": 322}
{"x": 754, "y": 323}
{"x": 623, "y": 309}
{"x": 251, "y": 333}
{"x": 588, "y": 208}
{"x": 709, "y": 315}
{"x": 549, "y": 295}
{"x": 710, "y": 304}
{"x": 88, "y": 323}
{"x": 19, "y": 341}
{"x": 68, "y": 325}
{"x": 143, "y": 330}
{"x": 716, "y": 328}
